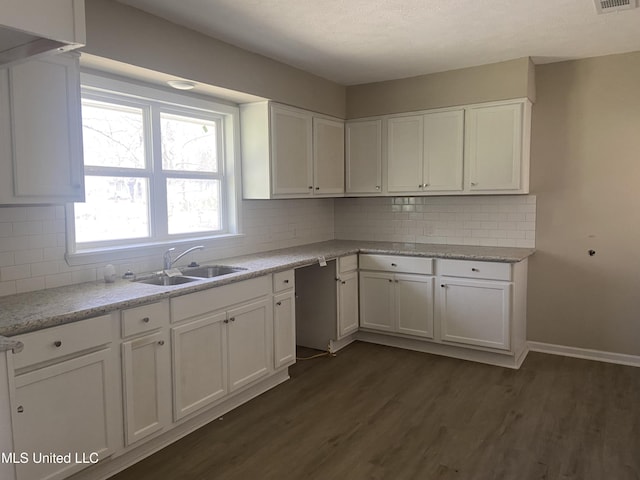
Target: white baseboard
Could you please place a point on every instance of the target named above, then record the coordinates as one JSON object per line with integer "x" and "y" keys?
{"x": 587, "y": 354}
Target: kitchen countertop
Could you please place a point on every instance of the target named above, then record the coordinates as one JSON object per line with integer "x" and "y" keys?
{"x": 27, "y": 312}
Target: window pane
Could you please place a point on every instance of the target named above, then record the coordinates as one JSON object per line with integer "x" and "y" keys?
{"x": 193, "y": 205}
{"x": 115, "y": 208}
{"x": 113, "y": 135}
{"x": 188, "y": 144}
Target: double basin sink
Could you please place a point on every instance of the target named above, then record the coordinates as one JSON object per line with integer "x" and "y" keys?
{"x": 189, "y": 274}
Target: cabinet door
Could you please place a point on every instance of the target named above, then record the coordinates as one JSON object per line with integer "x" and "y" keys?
{"x": 405, "y": 154}
{"x": 284, "y": 329}
{"x": 250, "y": 340}
{"x": 443, "y": 151}
{"x": 67, "y": 407}
{"x": 475, "y": 312}
{"x": 146, "y": 372}
{"x": 377, "y": 301}
{"x": 328, "y": 157}
{"x": 46, "y": 130}
{"x": 347, "y": 304}
{"x": 363, "y": 162}
{"x": 494, "y": 147}
{"x": 291, "y": 152}
{"x": 414, "y": 305}
{"x": 199, "y": 364}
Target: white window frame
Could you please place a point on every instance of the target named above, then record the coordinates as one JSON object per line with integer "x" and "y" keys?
{"x": 153, "y": 102}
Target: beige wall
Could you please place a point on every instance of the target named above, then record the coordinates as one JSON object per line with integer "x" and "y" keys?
{"x": 497, "y": 81}
{"x": 128, "y": 35}
{"x": 585, "y": 171}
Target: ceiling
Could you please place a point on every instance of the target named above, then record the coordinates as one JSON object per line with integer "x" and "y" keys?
{"x": 360, "y": 41}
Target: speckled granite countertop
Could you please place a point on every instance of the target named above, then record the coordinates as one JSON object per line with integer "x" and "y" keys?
{"x": 32, "y": 311}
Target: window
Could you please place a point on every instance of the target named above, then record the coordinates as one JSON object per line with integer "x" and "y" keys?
{"x": 159, "y": 169}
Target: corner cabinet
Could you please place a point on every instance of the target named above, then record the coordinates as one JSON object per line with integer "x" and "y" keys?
{"x": 290, "y": 153}
{"x": 41, "y": 132}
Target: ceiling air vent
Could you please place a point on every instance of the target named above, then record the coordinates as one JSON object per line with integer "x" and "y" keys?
{"x": 607, "y": 6}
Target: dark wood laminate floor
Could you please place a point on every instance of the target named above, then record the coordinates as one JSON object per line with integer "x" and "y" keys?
{"x": 376, "y": 412}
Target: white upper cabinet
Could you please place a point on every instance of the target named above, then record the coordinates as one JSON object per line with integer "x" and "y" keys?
{"x": 363, "y": 162}
{"x": 405, "y": 152}
{"x": 41, "y": 151}
{"x": 290, "y": 153}
{"x": 291, "y": 137}
{"x": 328, "y": 156}
{"x": 468, "y": 150}
{"x": 425, "y": 153}
{"x": 443, "y": 151}
{"x": 497, "y": 148}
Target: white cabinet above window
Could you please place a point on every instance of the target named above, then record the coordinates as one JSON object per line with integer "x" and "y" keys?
{"x": 41, "y": 137}
{"x": 290, "y": 153}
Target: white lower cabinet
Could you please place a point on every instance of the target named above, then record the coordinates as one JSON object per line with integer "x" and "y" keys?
{"x": 64, "y": 408}
{"x": 400, "y": 303}
{"x": 199, "y": 363}
{"x": 347, "y": 304}
{"x": 146, "y": 371}
{"x": 475, "y": 312}
{"x": 249, "y": 333}
{"x": 284, "y": 329}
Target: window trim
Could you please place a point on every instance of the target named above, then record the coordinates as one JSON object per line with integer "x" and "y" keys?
{"x": 123, "y": 91}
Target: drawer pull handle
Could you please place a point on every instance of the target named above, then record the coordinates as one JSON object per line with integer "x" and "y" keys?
{"x": 286, "y": 281}
{"x": 57, "y": 343}
{"x": 161, "y": 342}
{"x": 145, "y": 320}
{"x": 20, "y": 409}
{"x": 394, "y": 265}
{"x": 475, "y": 270}
{"x": 278, "y": 303}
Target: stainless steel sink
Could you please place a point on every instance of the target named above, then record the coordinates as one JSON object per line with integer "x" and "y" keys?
{"x": 209, "y": 271}
{"x": 165, "y": 281}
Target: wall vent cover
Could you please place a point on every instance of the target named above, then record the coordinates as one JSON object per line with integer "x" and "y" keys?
{"x": 607, "y": 6}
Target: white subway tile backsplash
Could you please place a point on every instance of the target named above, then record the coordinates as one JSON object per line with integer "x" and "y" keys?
{"x": 500, "y": 220}
{"x": 32, "y": 239}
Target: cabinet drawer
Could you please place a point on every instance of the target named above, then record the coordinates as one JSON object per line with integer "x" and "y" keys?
{"x": 51, "y": 343}
{"x": 218, "y": 298}
{"x": 473, "y": 269}
{"x": 145, "y": 318}
{"x": 348, "y": 263}
{"x": 283, "y": 281}
{"x": 393, "y": 263}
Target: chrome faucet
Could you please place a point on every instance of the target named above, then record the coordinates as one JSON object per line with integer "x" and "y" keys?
{"x": 168, "y": 261}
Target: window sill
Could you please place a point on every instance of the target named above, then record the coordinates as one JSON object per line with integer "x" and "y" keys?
{"x": 117, "y": 254}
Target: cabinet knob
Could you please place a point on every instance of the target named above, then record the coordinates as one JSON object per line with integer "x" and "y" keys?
{"x": 443, "y": 285}
{"x": 390, "y": 281}
{"x": 343, "y": 282}
{"x": 426, "y": 185}
{"x": 286, "y": 281}
{"x": 317, "y": 188}
{"x": 145, "y": 320}
{"x": 310, "y": 188}
{"x": 419, "y": 185}
{"x": 226, "y": 321}
{"x": 57, "y": 343}
{"x": 20, "y": 409}
{"x": 475, "y": 270}
{"x": 278, "y": 303}
{"x": 394, "y": 264}
{"x": 232, "y": 319}
{"x": 474, "y": 184}
{"x": 161, "y": 342}
{"x": 377, "y": 187}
